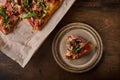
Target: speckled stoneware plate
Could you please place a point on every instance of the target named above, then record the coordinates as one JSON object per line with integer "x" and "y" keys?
{"x": 84, "y": 63}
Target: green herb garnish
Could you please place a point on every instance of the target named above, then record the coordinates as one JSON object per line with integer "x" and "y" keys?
{"x": 27, "y": 5}
{"x": 29, "y": 14}
{"x": 5, "y": 16}
{"x": 45, "y": 12}
{"x": 2, "y": 12}
{"x": 78, "y": 49}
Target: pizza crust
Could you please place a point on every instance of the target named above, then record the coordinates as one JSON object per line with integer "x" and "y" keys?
{"x": 53, "y": 8}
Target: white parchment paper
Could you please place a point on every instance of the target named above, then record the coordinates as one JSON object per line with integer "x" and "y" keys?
{"x": 21, "y": 44}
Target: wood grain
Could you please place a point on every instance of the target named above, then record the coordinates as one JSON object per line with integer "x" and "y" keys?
{"x": 105, "y": 19}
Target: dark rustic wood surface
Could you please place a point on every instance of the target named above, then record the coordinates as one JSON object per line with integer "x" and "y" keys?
{"x": 102, "y": 15}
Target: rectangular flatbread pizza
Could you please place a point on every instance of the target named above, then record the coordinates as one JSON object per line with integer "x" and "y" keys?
{"x": 9, "y": 15}
{"x": 36, "y": 12}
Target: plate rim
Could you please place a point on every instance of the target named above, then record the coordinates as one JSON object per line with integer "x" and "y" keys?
{"x": 93, "y": 64}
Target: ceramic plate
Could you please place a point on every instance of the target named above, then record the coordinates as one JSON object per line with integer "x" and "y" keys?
{"x": 84, "y": 63}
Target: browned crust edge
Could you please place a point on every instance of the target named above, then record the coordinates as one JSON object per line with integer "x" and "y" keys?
{"x": 50, "y": 13}
{"x": 45, "y": 20}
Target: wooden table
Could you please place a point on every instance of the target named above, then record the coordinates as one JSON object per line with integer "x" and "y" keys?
{"x": 102, "y": 16}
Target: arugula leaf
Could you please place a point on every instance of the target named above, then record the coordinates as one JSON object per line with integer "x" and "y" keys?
{"x": 2, "y": 12}
{"x": 27, "y": 5}
{"x": 5, "y": 16}
{"x": 41, "y": 3}
{"x": 77, "y": 50}
{"x": 29, "y": 14}
{"x": 7, "y": 22}
{"x": 26, "y": 2}
{"x": 45, "y": 12}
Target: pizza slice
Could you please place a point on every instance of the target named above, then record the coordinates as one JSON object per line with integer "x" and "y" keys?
{"x": 77, "y": 47}
{"x": 9, "y": 15}
{"x": 38, "y": 12}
